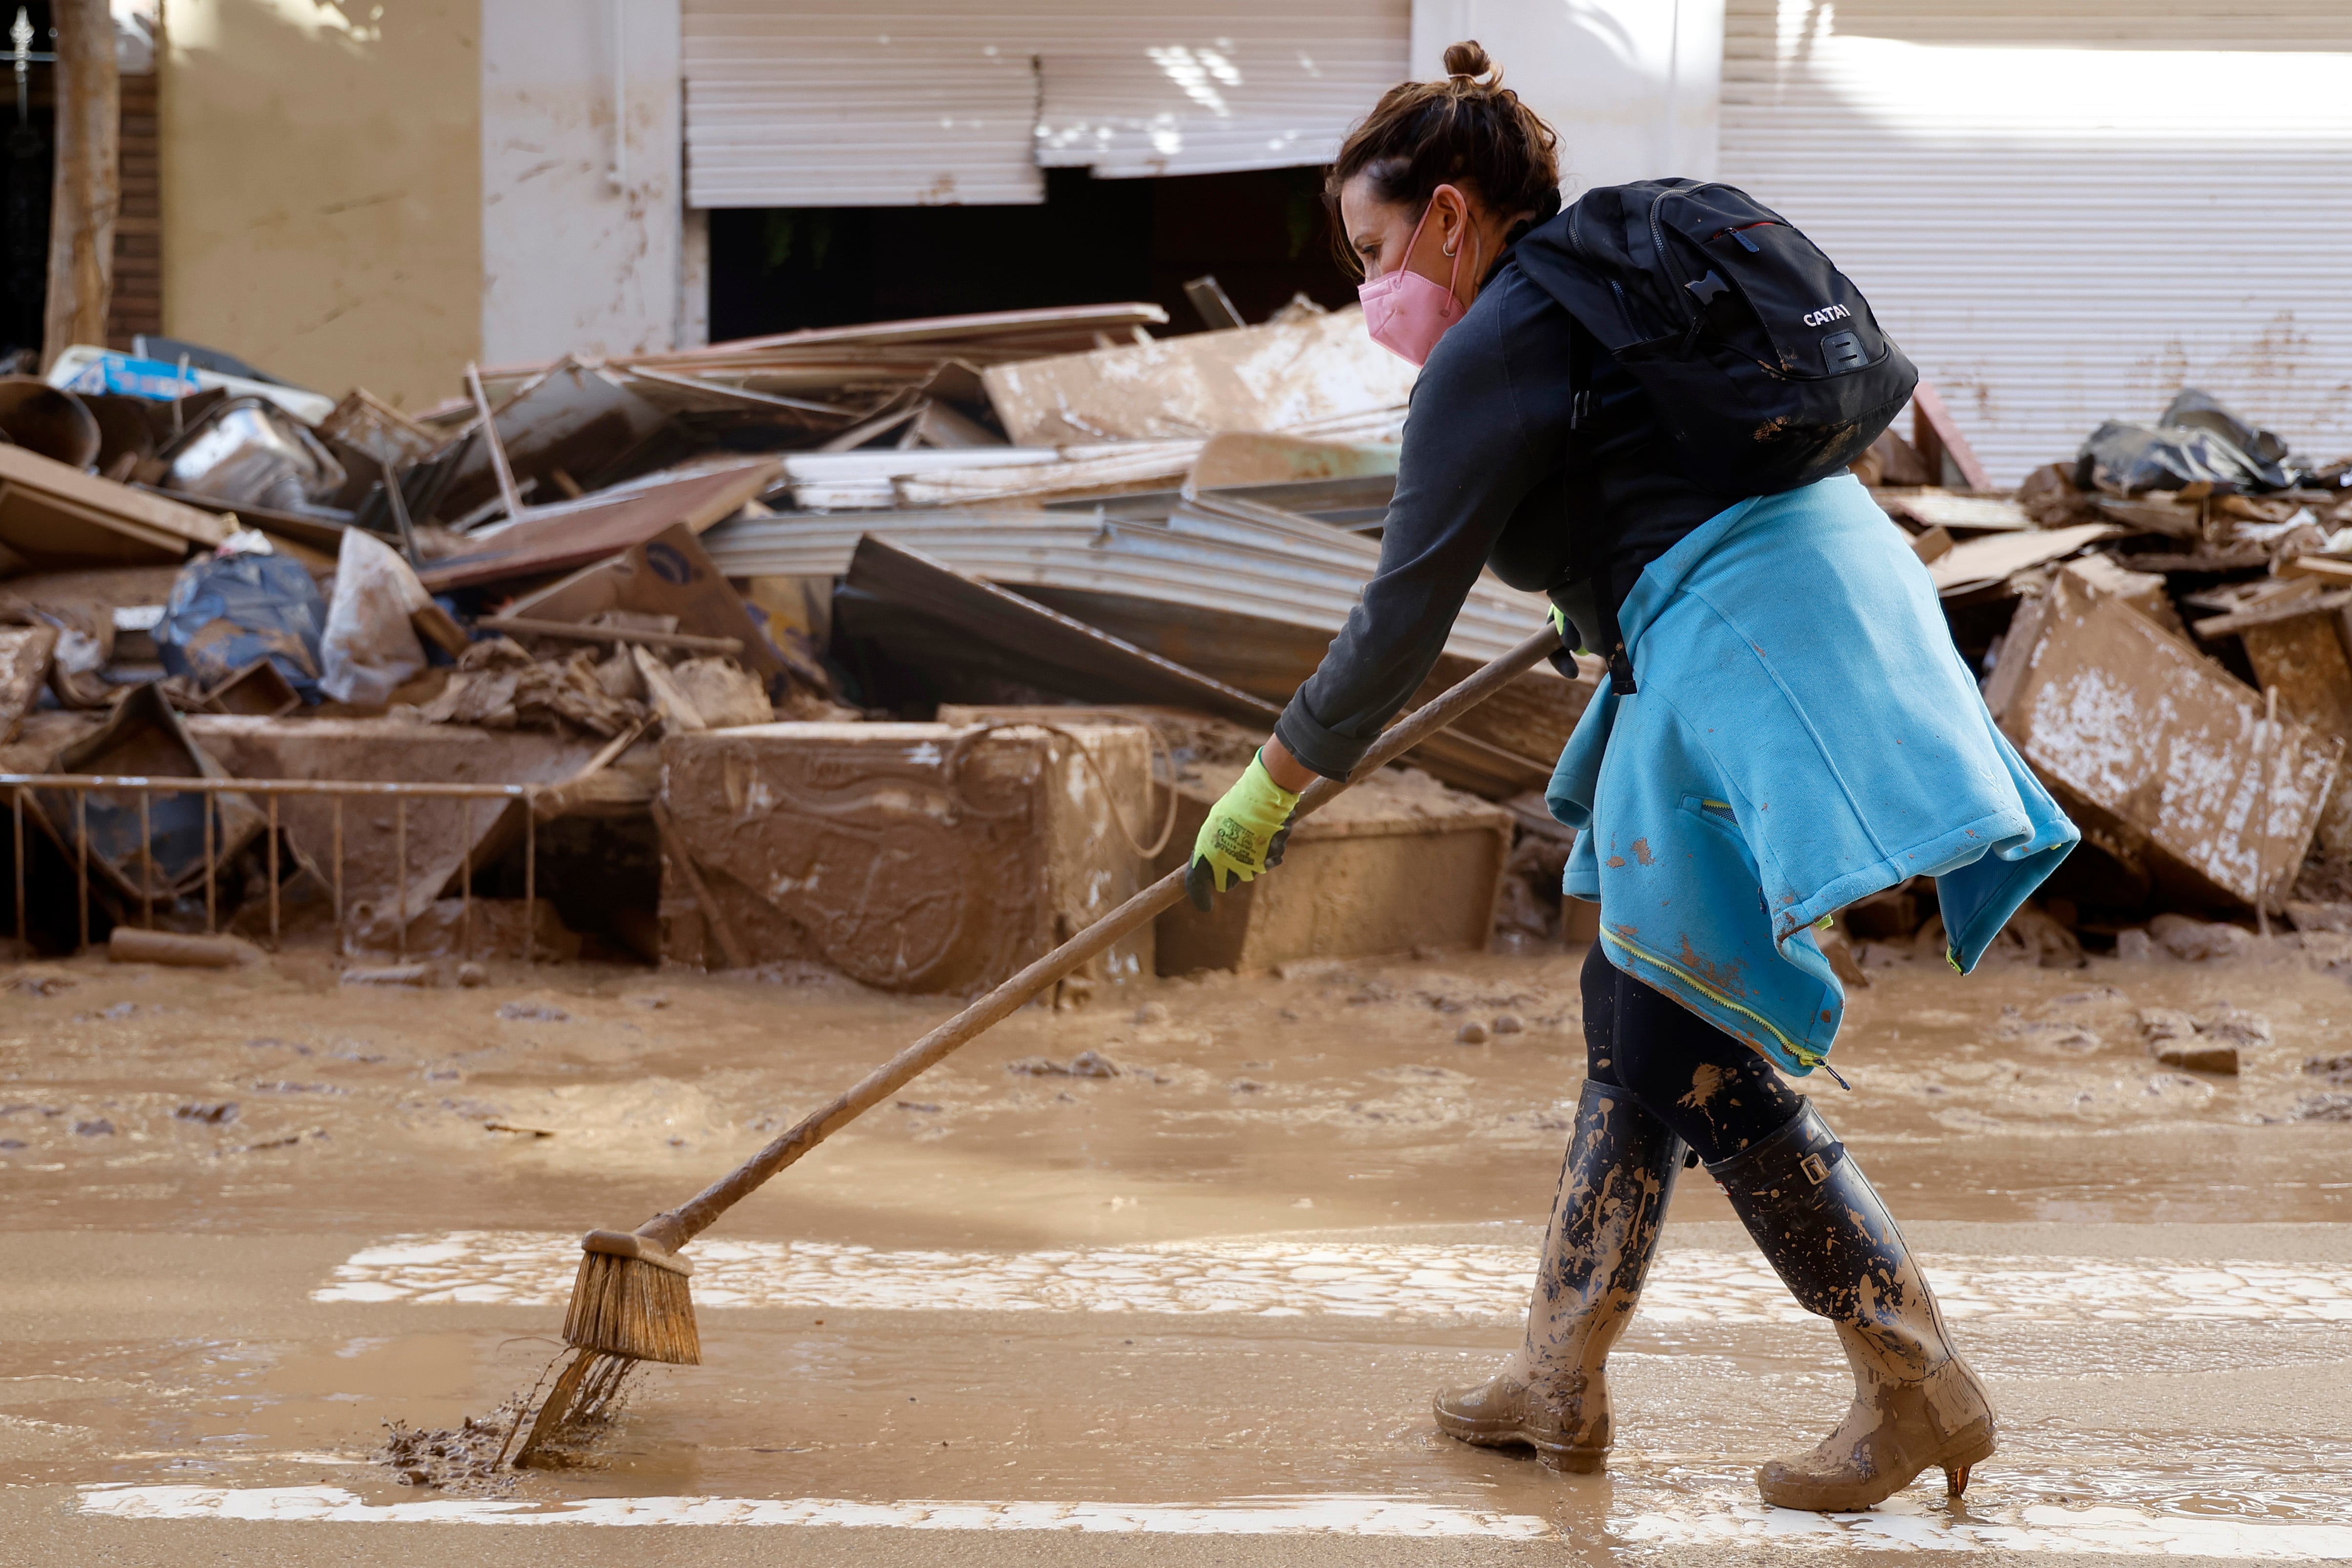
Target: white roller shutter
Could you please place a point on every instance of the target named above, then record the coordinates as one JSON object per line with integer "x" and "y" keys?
{"x": 1208, "y": 86}
{"x": 849, "y": 103}
{"x": 2066, "y": 210}
{"x": 839, "y": 103}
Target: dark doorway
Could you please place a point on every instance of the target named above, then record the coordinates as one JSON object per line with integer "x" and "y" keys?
{"x": 1263, "y": 235}
{"x": 25, "y": 167}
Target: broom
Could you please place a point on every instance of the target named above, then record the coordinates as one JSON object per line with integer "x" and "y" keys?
{"x": 630, "y": 1302}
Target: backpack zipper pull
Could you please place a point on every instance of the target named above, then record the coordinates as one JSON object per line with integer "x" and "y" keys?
{"x": 1746, "y": 243}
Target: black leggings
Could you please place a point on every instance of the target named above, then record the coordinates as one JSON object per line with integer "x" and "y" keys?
{"x": 1716, "y": 1094}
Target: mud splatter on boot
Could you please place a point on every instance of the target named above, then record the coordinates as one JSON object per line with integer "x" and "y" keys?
{"x": 1553, "y": 1394}
{"x": 1917, "y": 1405}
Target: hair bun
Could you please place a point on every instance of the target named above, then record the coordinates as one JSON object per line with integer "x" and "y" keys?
{"x": 1468, "y": 58}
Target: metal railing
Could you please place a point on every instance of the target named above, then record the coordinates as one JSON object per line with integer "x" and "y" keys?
{"x": 81, "y": 786}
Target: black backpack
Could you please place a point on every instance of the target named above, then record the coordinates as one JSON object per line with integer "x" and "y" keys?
{"x": 1760, "y": 357}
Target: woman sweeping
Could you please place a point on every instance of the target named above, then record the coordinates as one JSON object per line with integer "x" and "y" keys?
{"x": 1642, "y": 408}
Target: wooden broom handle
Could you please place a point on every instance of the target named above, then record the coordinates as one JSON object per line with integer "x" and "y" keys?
{"x": 679, "y": 1226}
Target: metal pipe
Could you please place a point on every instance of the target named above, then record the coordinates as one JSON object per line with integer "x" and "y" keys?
{"x": 265, "y": 787}
{"x": 273, "y": 872}
{"x": 208, "y": 866}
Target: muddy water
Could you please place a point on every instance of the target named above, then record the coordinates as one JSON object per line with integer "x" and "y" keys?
{"x": 263, "y": 1214}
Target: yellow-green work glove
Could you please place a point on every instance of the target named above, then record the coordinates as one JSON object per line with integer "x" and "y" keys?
{"x": 1242, "y": 836}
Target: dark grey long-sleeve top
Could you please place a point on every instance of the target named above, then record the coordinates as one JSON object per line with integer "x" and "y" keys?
{"x": 1491, "y": 473}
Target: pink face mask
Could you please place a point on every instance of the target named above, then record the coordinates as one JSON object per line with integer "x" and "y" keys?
{"x": 1405, "y": 312}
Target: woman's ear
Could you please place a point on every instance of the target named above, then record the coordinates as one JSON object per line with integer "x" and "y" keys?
{"x": 1453, "y": 217}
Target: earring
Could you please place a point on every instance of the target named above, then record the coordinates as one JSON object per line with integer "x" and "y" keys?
{"x": 1449, "y": 249}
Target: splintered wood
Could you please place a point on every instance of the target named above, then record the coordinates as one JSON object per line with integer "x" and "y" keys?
{"x": 2171, "y": 765}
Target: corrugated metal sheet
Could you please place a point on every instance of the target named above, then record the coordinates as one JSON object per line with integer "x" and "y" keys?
{"x": 2066, "y": 211}
{"x": 839, "y": 103}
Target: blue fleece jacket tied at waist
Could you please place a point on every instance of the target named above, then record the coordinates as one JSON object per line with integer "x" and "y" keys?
{"x": 1803, "y": 735}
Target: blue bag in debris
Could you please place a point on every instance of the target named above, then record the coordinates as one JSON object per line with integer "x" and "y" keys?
{"x": 226, "y": 612}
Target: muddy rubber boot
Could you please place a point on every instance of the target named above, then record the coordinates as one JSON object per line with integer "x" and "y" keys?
{"x": 1917, "y": 1405}
{"x": 1552, "y": 1395}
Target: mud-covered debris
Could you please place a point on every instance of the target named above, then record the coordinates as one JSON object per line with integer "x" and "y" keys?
{"x": 2236, "y": 1025}
{"x": 509, "y": 1127}
{"x": 2197, "y": 941}
{"x": 2323, "y": 1107}
{"x": 533, "y": 1013}
{"x": 1369, "y": 991}
{"x": 1508, "y": 1024}
{"x": 96, "y": 1127}
{"x": 281, "y": 1086}
{"x": 2207, "y": 1045}
{"x": 213, "y": 1114}
{"x": 1151, "y": 1013}
{"x": 918, "y": 1106}
{"x": 1245, "y": 1086}
{"x": 2133, "y": 946}
{"x": 39, "y": 984}
{"x": 463, "y": 1458}
{"x": 2332, "y": 1069}
{"x": 1086, "y": 1064}
{"x": 391, "y": 974}
{"x": 652, "y": 1001}
{"x": 2198, "y": 1055}
{"x": 2318, "y": 915}
{"x": 471, "y": 975}
{"x": 1471, "y": 1034}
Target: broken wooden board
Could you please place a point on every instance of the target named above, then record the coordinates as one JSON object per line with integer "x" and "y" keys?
{"x": 24, "y": 670}
{"x": 2170, "y": 763}
{"x": 2301, "y": 657}
{"x": 1935, "y": 507}
{"x": 923, "y": 857}
{"x": 1266, "y": 377}
{"x": 1981, "y": 562}
{"x": 55, "y": 516}
{"x": 553, "y": 540}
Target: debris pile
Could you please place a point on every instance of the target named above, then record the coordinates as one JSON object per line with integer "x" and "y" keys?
{"x": 2159, "y": 623}
{"x": 884, "y": 649}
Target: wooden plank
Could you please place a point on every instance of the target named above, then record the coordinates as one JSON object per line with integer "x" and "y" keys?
{"x": 1996, "y": 555}
{"x": 53, "y": 515}
{"x": 553, "y": 540}
{"x": 524, "y": 626}
{"x": 2155, "y": 751}
{"x": 2272, "y": 611}
{"x": 2325, "y": 568}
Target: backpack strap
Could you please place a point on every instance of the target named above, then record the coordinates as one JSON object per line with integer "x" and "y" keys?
{"x": 1580, "y": 409}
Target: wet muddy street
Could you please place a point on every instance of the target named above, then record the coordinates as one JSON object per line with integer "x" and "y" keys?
{"x": 1170, "y": 1277}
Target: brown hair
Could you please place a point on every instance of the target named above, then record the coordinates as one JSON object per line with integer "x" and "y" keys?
{"x": 1468, "y": 130}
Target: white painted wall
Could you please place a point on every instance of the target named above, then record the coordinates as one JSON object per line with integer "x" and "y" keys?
{"x": 580, "y": 230}
{"x": 1633, "y": 86}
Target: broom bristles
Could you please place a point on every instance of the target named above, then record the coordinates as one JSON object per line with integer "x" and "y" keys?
{"x": 627, "y": 1307}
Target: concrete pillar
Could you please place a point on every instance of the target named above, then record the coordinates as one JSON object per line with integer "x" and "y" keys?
{"x": 1633, "y": 86}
